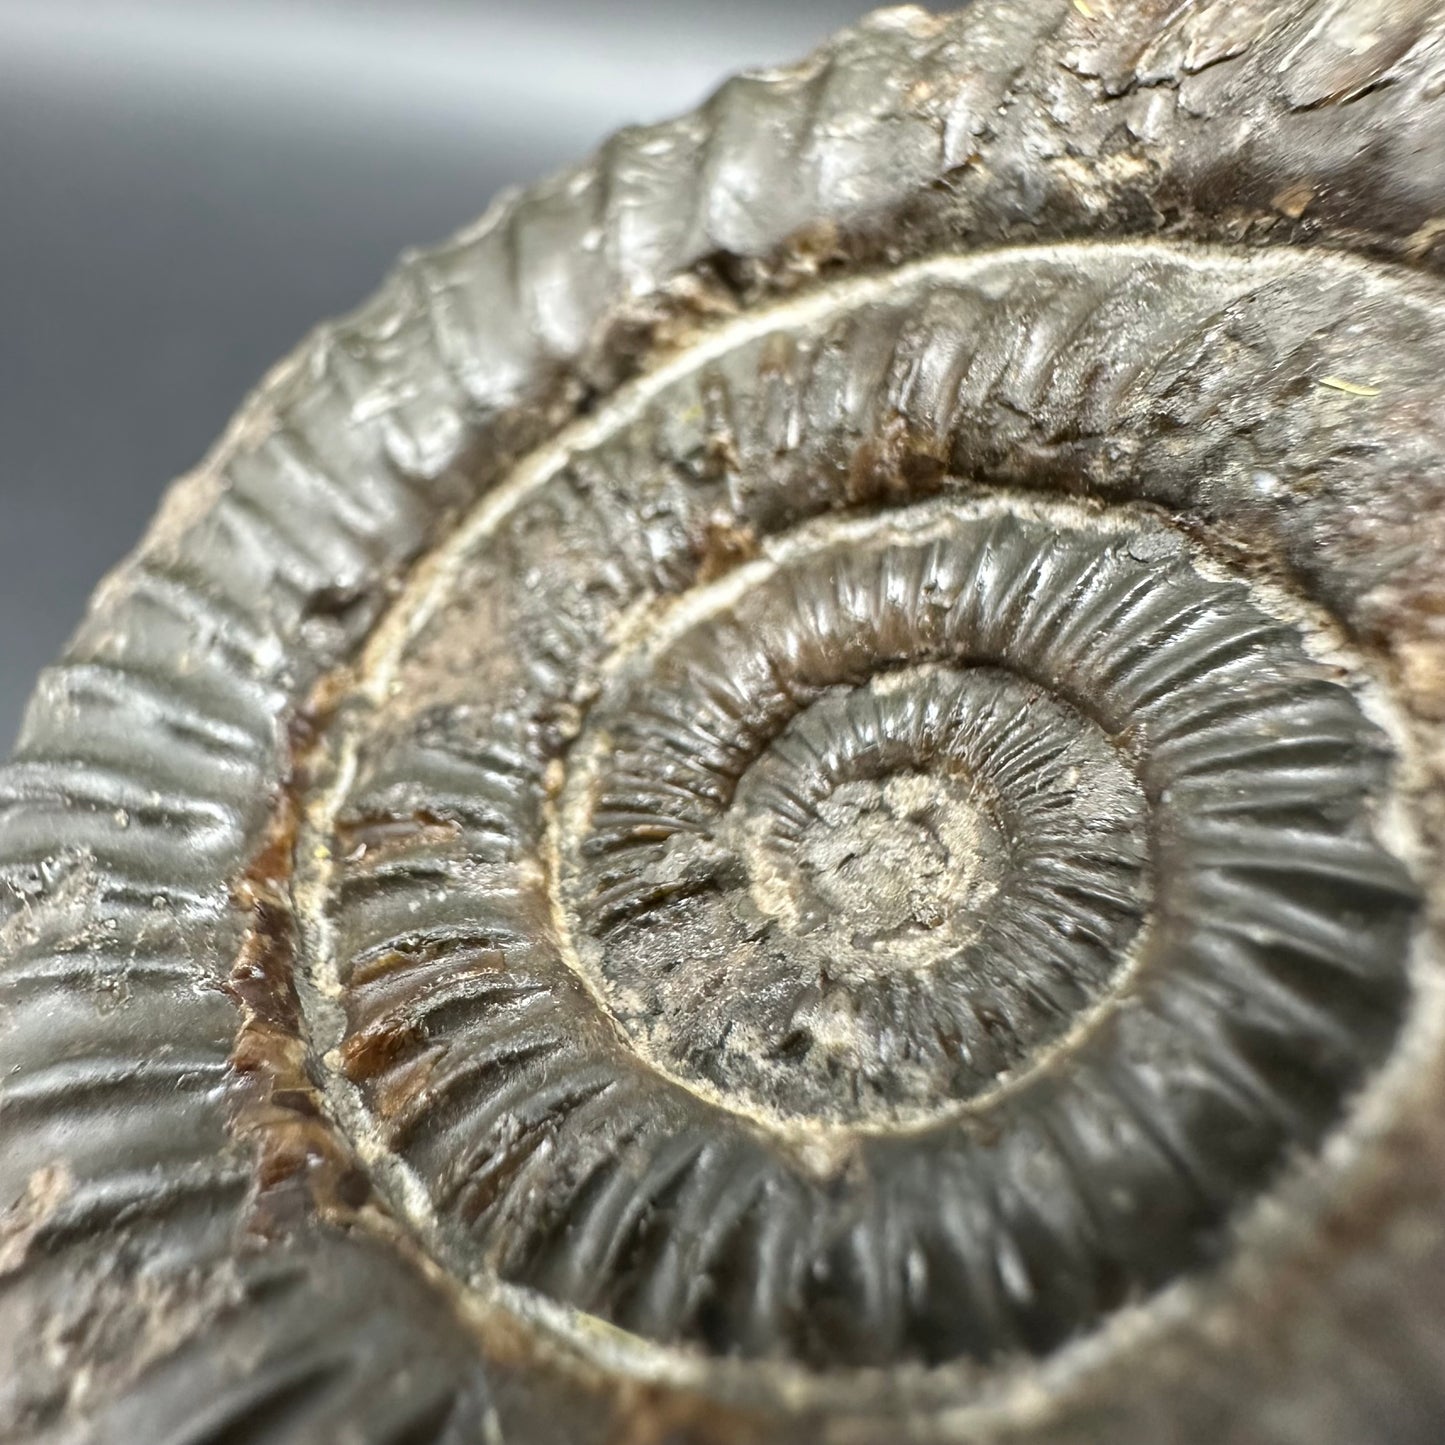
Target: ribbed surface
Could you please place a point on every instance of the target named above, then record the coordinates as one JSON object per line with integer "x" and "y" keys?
{"x": 153, "y": 753}
{"x": 1269, "y": 979}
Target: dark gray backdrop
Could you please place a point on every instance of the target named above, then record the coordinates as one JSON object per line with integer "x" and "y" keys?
{"x": 186, "y": 186}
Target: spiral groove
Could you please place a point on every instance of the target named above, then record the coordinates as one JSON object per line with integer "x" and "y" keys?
{"x": 905, "y": 929}
{"x": 793, "y": 792}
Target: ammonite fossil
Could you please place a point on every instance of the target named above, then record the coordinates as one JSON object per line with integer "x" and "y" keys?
{"x": 792, "y": 793}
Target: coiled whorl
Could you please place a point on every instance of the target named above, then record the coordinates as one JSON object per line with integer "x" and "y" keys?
{"x": 793, "y": 792}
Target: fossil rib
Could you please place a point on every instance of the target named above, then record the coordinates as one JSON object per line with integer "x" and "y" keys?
{"x": 792, "y": 793}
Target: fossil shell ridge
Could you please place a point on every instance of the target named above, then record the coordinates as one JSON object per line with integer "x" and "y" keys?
{"x": 791, "y": 792}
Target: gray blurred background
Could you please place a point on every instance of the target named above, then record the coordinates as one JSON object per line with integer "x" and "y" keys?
{"x": 186, "y": 186}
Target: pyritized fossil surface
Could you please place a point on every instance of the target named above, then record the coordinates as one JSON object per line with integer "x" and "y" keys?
{"x": 793, "y": 792}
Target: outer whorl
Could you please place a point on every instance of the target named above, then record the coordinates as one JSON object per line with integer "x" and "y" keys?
{"x": 794, "y": 792}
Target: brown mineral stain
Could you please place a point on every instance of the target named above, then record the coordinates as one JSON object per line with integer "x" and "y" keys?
{"x": 365, "y": 1055}
{"x": 724, "y": 545}
{"x": 1293, "y": 201}
{"x": 376, "y": 832}
{"x": 45, "y": 1191}
{"x": 898, "y": 463}
{"x": 303, "y": 1166}
{"x": 652, "y": 1415}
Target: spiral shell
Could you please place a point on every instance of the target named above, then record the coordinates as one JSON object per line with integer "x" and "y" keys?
{"x": 793, "y": 792}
